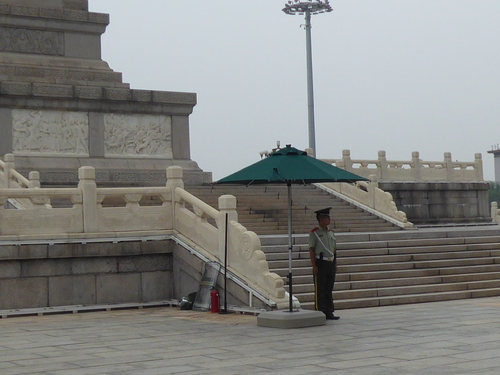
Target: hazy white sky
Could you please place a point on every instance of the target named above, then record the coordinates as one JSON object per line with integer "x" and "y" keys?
{"x": 393, "y": 75}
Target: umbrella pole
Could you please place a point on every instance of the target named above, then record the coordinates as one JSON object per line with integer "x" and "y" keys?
{"x": 290, "y": 287}
{"x": 225, "y": 267}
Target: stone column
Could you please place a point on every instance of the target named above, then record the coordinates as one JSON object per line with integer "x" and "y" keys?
{"x": 9, "y": 165}
{"x": 478, "y": 166}
{"x": 372, "y": 187}
{"x": 382, "y": 165}
{"x": 227, "y": 207}
{"x": 494, "y": 212}
{"x": 449, "y": 167}
{"x": 346, "y": 158}
{"x": 174, "y": 180}
{"x": 89, "y": 191}
{"x": 415, "y": 157}
{"x": 34, "y": 178}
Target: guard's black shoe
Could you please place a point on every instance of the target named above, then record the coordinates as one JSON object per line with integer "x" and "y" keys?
{"x": 332, "y": 317}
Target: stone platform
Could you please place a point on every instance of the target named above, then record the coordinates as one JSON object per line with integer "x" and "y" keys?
{"x": 455, "y": 337}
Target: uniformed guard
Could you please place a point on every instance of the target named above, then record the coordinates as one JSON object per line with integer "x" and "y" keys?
{"x": 322, "y": 250}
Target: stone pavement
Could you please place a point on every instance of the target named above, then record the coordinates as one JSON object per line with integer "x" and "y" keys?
{"x": 456, "y": 337}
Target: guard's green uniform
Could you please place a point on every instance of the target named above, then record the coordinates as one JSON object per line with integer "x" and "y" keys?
{"x": 324, "y": 244}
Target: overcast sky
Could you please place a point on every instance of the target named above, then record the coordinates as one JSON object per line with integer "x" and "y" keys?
{"x": 393, "y": 75}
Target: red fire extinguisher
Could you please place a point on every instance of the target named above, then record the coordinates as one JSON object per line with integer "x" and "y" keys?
{"x": 214, "y": 297}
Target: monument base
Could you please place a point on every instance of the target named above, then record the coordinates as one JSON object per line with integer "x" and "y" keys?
{"x": 57, "y": 171}
{"x": 62, "y": 107}
{"x": 291, "y": 319}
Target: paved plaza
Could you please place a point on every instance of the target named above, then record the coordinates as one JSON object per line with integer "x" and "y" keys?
{"x": 457, "y": 337}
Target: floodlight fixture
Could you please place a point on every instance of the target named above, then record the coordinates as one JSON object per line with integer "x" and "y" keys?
{"x": 309, "y": 8}
{"x": 312, "y": 7}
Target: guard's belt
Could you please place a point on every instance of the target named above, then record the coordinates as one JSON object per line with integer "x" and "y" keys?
{"x": 329, "y": 259}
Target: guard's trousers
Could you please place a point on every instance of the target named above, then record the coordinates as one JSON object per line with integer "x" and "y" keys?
{"x": 324, "y": 281}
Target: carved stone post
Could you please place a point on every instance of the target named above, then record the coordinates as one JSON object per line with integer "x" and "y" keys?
{"x": 449, "y": 167}
{"x": 89, "y": 192}
{"x": 346, "y": 159}
{"x": 34, "y": 178}
{"x": 174, "y": 180}
{"x": 9, "y": 166}
{"x": 494, "y": 212}
{"x": 227, "y": 207}
{"x": 478, "y": 166}
{"x": 415, "y": 158}
{"x": 382, "y": 165}
{"x": 372, "y": 187}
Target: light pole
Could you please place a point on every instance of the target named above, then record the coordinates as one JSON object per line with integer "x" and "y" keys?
{"x": 309, "y": 8}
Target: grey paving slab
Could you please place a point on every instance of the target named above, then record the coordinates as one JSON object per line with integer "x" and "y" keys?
{"x": 454, "y": 337}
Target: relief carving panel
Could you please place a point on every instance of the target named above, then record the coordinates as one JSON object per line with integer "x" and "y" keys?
{"x": 31, "y": 41}
{"x": 137, "y": 135}
{"x": 50, "y": 132}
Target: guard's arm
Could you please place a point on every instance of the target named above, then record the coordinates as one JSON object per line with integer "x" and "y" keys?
{"x": 312, "y": 255}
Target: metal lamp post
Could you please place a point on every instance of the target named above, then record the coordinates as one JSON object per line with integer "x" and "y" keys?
{"x": 309, "y": 8}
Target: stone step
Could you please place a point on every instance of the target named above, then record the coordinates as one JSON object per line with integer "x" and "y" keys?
{"x": 359, "y": 239}
{"x": 410, "y": 281}
{"x": 397, "y": 267}
{"x": 304, "y": 284}
{"x": 409, "y": 299}
{"x": 339, "y": 295}
{"x": 377, "y": 256}
{"x": 441, "y": 264}
{"x": 380, "y": 275}
{"x": 297, "y": 263}
{"x": 258, "y": 204}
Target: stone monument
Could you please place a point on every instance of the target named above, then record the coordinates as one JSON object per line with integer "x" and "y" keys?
{"x": 63, "y": 107}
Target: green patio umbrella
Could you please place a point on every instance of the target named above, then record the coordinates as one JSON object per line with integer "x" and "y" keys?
{"x": 289, "y": 166}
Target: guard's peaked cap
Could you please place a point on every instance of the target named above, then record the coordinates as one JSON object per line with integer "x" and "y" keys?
{"x": 323, "y": 212}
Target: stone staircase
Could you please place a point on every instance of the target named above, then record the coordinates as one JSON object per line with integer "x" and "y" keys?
{"x": 379, "y": 264}
{"x": 263, "y": 209}
{"x": 378, "y": 269}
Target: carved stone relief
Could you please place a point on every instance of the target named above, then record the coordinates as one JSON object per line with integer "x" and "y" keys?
{"x": 50, "y": 132}
{"x": 31, "y": 41}
{"x": 129, "y": 135}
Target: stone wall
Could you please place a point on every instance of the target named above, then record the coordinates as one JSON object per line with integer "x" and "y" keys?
{"x": 441, "y": 202}
{"x": 101, "y": 273}
{"x": 45, "y": 275}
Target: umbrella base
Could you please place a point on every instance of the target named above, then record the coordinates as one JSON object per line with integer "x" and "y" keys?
{"x": 294, "y": 319}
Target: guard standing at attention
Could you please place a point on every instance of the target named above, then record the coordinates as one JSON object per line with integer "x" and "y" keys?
{"x": 322, "y": 250}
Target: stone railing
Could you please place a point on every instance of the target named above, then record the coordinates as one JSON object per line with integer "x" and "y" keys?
{"x": 414, "y": 169}
{"x": 495, "y": 213}
{"x": 10, "y": 178}
{"x": 206, "y": 227}
{"x": 371, "y": 198}
{"x": 92, "y": 211}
